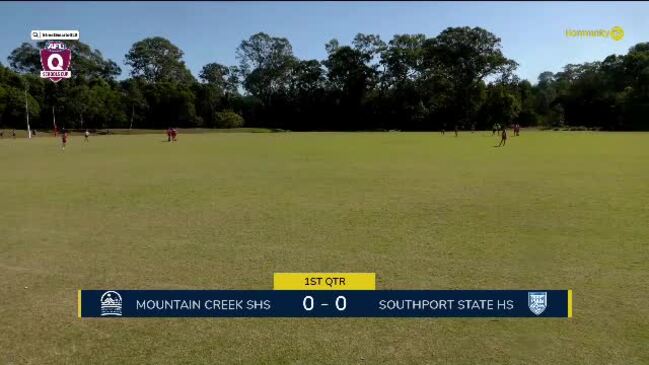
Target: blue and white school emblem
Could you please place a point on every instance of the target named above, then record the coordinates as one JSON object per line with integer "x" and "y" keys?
{"x": 537, "y": 301}
{"x": 111, "y": 304}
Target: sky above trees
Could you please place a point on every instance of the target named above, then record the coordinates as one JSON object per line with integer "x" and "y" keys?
{"x": 532, "y": 34}
{"x": 458, "y": 78}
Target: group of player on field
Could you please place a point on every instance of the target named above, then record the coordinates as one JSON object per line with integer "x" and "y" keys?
{"x": 65, "y": 136}
{"x": 172, "y": 133}
{"x": 497, "y": 127}
{"x": 171, "y": 136}
{"x": 503, "y": 132}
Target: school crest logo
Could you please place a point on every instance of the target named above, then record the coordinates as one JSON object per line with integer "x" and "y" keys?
{"x": 111, "y": 304}
{"x": 55, "y": 60}
{"x": 537, "y": 302}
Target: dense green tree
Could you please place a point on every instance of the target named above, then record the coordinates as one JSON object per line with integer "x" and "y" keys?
{"x": 402, "y": 59}
{"x": 89, "y": 63}
{"x": 413, "y": 82}
{"x": 222, "y": 77}
{"x": 527, "y": 115}
{"x": 25, "y": 59}
{"x": 134, "y": 101}
{"x": 501, "y": 105}
{"x": 171, "y": 104}
{"x": 265, "y": 63}
{"x": 12, "y": 107}
{"x": 228, "y": 119}
{"x": 156, "y": 59}
{"x": 351, "y": 76}
{"x": 465, "y": 57}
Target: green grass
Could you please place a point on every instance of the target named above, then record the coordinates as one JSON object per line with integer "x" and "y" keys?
{"x": 224, "y": 211}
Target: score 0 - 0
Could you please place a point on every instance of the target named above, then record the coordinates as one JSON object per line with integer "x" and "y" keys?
{"x": 309, "y": 303}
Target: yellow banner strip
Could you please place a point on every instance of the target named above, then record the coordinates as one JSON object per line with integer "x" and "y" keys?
{"x": 79, "y": 303}
{"x": 324, "y": 281}
{"x": 569, "y": 303}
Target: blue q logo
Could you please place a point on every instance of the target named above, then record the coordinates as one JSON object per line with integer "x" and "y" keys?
{"x": 537, "y": 301}
{"x": 111, "y": 304}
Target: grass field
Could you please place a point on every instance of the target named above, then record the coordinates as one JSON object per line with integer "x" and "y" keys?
{"x": 551, "y": 210}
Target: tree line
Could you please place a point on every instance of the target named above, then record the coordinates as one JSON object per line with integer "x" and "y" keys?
{"x": 411, "y": 82}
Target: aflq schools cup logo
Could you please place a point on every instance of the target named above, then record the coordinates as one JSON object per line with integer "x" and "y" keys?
{"x": 55, "y": 60}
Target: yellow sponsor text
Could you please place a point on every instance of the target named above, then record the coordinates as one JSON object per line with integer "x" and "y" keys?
{"x": 616, "y": 33}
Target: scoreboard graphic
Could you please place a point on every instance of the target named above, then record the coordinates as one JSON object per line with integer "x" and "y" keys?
{"x": 302, "y": 295}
